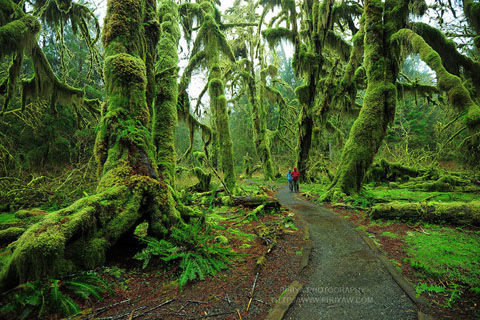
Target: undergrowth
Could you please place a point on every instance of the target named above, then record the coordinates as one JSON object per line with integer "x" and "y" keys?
{"x": 192, "y": 248}
{"x": 51, "y": 296}
{"x": 449, "y": 257}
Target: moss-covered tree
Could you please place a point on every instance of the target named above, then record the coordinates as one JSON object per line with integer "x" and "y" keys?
{"x": 130, "y": 189}
{"x": 382, "y": 20}
{"x": 209, "y": 44}
{"x": 164, "y": 120}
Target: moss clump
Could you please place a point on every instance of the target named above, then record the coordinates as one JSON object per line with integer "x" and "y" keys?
{"x": 275, "y": 35}
{"x": 14, "y": 36}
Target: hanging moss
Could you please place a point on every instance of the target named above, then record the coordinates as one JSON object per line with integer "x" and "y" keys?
{"x": 471, "y": 9}
{"x": 457, "y": 94}
{"x": 338, "y": 45}
{"x": 14, "y": 36}
{"x": 9, "y": 11}
{"x": 275, "y": 35}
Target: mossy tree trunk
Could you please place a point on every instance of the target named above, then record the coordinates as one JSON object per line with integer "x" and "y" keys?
{"x": 259, "y": 115}
{"x": 130, "y": 189}
{"x": 209, "y": 44}
{"x": 369, "y": 129}
{"x": 218, "y": 103}
{"x": 166, "y": 72}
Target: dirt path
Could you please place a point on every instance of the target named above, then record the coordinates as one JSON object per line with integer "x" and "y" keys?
{"x": 345, "y": 279}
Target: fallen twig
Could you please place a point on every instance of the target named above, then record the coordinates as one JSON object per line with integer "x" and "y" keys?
{"x": 252, "y": 291}
{"x": 154, "y": 308}
{"x": 103, "y": 309}
{"x": 214, "y": 315}
{"x": 120, "y": 316}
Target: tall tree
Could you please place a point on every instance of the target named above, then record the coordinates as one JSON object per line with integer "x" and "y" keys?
{"x": 130, "y": 189}
{"x": 209, "y": 43}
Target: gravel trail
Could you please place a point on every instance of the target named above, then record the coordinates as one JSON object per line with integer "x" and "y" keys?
{"x": 345, "y": 279}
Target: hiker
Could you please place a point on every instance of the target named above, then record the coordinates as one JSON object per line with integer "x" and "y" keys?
{"x": 295, "y": 176}
{"x": 290, "y": 180}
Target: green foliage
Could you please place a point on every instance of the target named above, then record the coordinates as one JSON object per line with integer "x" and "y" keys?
{"x": 449, "y": 255}
{"x": 53, "y": 296}
{"x": 363, "y": 199}
{"x": 389, "y": 235}
{"x": 430, "y": 288}
{"x": 192, "y": 248}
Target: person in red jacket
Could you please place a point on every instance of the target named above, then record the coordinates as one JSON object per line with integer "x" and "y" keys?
{"x": 295, "y": 176}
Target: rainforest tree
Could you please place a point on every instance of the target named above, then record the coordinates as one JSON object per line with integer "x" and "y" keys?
{"x": 130, "y": 189}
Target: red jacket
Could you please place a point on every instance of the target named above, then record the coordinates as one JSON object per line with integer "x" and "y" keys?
{"x": 295, "y": 175}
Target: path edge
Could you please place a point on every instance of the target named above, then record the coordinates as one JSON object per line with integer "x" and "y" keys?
{"x": 285, "y": 301}
{"x": 399, "y": 278}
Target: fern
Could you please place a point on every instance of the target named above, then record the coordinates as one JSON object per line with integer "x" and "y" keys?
{"x": 63, "y": 302}
{"x": 192, "y": 248}
{"x": 54, "y": 295}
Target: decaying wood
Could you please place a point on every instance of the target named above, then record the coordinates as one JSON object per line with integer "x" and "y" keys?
{"x": 456, "y": 213}
{"x": 255, "y": 201}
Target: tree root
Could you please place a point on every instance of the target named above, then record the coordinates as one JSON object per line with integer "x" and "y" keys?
{"x": 79, "y": 236}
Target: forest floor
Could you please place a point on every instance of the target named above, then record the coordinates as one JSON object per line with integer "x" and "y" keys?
{"x": 346, "y": 279}
{"x": 442, "y": 262}
{"x": 223, "y": 296}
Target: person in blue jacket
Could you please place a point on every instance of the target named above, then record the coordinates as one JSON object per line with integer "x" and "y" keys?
{"x": 290, "y": 180}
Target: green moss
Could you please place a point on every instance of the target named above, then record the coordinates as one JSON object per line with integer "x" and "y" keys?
{"x": 14, "y": 36}
{"x": 458, "y": 95}
{"x": 275, "y": 35}
{"x": 165, "y": 108}
{"x": 450, "y": 255}
{"x": 457, "y": 213}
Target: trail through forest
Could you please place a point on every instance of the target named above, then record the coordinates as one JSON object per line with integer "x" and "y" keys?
{"x": 346, "y": 280}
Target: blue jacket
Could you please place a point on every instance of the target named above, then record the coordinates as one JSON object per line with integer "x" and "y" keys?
{"x": 289, "y": 177}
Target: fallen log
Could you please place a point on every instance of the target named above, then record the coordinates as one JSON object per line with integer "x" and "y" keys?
{"x": 255, "y": 201}
{"x": 456, "y": 213}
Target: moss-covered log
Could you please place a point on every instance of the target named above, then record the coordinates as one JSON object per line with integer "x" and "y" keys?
{"x": 255, "y": 201}
{"x": 130, "y": 190}
{"x": 388, "y": 171}
{"x": 456, "y": 213}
